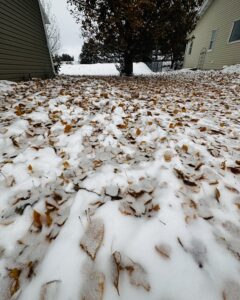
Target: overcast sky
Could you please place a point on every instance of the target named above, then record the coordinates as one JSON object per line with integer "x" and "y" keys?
{"x": 71, "y": 41}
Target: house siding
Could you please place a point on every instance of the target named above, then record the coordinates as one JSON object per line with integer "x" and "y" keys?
{"x": 24, "y": 50}
{"x": 220, "y": 16}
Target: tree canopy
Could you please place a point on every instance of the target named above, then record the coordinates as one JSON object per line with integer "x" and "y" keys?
{"x": 133, "y": 28}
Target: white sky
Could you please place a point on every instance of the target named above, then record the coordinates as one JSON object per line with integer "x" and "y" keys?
{"x": 71, "y": 41}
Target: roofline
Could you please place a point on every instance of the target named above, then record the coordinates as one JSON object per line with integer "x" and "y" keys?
{"x": 46, "y": 20}
{"x": 205, "y": 6}
{"x": 45, "y": 31}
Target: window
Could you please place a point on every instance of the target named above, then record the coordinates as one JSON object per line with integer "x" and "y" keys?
{"x": 235, "y": 35}
{"x": 213, "y": 39}
{"x": 190, "y": 48}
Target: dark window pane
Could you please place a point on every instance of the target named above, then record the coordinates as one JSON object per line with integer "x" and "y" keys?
{"x": 235, "y": 36}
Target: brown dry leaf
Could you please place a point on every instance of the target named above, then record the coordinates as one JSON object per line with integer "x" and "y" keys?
{"x": 138, "y": 132}
{"x": 185, "y": 148}
{"x": 232, "y": 189}
{"x": 30, "y": 168}
{"x": 49, "y": 291}
{"x": 116, "y": 269}
{"x": 14, "y": 274}
{"x": 49, "y": 219}
{"x": 67, "y": 128}
{"x": 66, "y": 165}
{"x": 203, "y": 129}
{"x": 138, "y": 276}
{"x": 164, "y": 251}
{"x": 93, "y": 238}
{"x": 37, "y": 222}
{"x": 122, "y": 126}
{"x": 93, "y": 288}
{"x": 167, "y": 156}
{"x": 217, "y": 195}
{"x": 235, "y": 170}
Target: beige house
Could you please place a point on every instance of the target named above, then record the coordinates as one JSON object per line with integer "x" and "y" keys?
{"x": 215, "y": 42}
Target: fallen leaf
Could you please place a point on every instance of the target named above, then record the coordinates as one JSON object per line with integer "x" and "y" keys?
{"x": 163, "y": 250}
{"x": 116, "y": 270}
{"x": 67, "y": 128}
{"x": 37, "y": 220}
{"x": 30, "y": 168}
{"x": 217, "y": 195}
{"x": 138, "y": 276}
{"x": 50, "y": 290}
{"x": 93, "y": 238}
{"x": 138, "y": 132}
{"x": 14, "y": 274}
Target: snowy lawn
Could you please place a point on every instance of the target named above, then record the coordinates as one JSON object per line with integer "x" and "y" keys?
{"x": 114, "y": 188}
{"x": 101, "y": 69}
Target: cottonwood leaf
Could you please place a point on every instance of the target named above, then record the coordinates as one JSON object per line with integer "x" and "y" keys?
{"x": 217, "y": 195}
{"x": 138, "y": 132}
{"x": 138, "y": 276}
{"x": 116, "y": 269}
{"x": 93, "y": 238}
{"x": 37, "y": 222}
{"x": 167, "y": 156}
{"x": 14, "y": 274}
{"x": 67, "y": 128}
{"x": 94, "y": 284}
{"x": 49, "y": 291}
{"x": 164, "y": 251}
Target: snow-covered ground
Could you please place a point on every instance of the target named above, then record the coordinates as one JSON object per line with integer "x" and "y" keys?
{"x": 121, "y": 188}
{"x": 101, "y": 69}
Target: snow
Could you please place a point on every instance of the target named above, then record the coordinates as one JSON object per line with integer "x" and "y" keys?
{"x": 107, "y": 69}
{"x": 121, "y": 188}
{"x": 231, "y": 69}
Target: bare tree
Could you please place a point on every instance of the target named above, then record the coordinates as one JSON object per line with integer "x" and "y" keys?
{"x": 52, "y": 29}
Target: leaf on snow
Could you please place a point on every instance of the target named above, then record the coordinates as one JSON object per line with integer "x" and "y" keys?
{"x": 163, "y": 250}
{"x": 94, "y": 286}
{"x": 67, "y": 128}
{"x": 49, "y": 291}
{"x": 138, "y": 276}
{"x": 93, "y": 238}
{"x": 116, "y": 269}
{"x": 14, "y": 274}
{"x": 37, "y": 222}
{"x": 217, "y": 195}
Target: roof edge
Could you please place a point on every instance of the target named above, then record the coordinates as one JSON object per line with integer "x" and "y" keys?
{"x": 205, "y": 6}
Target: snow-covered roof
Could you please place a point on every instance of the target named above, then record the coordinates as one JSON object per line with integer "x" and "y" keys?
{"x": 44, "y": 15}
{"x": 205, "y": 6}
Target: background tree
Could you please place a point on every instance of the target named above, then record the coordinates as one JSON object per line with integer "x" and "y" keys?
{"x": 66, "y": 57}
{"x": 52, "y": 29}
{"x": 132, "y": 29}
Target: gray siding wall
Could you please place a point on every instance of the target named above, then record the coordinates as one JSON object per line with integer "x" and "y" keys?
{"x": 220, "y": 16}
{"x": 23, "y": 45}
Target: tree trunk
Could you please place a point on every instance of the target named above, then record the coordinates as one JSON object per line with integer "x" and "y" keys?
{"x": 127, "y": 69}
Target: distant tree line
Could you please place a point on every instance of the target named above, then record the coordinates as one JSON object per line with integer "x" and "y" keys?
{"x": 59, "y": 59}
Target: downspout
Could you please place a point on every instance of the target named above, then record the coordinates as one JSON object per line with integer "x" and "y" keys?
{"x": 45, "y": 31}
